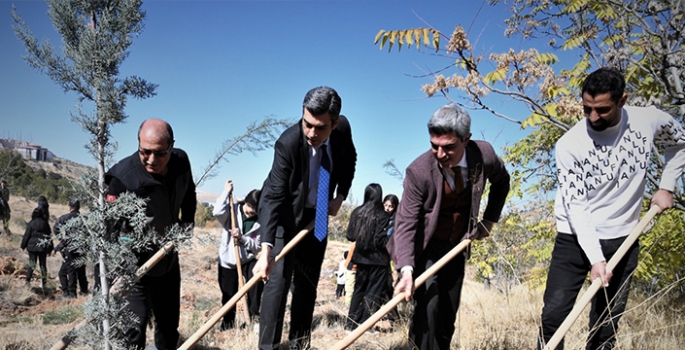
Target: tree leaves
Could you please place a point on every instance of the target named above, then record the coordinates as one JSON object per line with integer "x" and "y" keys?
{"x": 533, "y": 120}
{"x": 408, "y": 37}
{"x": 495, "y": 76}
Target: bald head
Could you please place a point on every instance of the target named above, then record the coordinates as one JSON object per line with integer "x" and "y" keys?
{"x": 155, "y": 141}
{"x": 156, "y": 128}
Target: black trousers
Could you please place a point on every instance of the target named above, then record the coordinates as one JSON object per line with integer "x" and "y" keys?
{"x": 228, "y": 282}
{"x": 254, "y": 295}
{"x": 437, "y": 300}
{"x": 159, "y": 297}
{"x": 369, "y": 293}
{"x": 302, "y": 266}
{"x": 567, "y": 273}
{"x": 339, "y": 291}
{"x": 82, "y": 279}
{"x": 41, "y": 259}
{"x": 6, "y": 222}
{"x": 69, "y": 274}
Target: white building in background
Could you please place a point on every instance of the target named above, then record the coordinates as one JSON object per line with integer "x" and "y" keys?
{"x": 28, "y": 150}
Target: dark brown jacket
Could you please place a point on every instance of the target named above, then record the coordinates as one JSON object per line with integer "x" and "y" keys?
{"x": 417, "y": 214}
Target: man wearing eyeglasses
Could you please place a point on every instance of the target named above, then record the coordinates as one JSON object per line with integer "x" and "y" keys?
{"x": 439, "y": 208}
{"x": 602, "y": 163}
{"x": 162, "y": 174}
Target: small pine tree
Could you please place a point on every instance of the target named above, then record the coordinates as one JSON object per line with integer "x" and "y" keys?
{"x": 96, "y": 36}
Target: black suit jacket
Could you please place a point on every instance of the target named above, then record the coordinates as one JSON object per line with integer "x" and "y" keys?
{"x": 284, "y": 194}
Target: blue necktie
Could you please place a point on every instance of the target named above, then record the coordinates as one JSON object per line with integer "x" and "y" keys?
{"x": 321, "y": 224}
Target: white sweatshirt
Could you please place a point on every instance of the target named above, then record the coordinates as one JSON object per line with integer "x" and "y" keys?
{"x": 602, "y": 174}
{"x": 249, "y": 244}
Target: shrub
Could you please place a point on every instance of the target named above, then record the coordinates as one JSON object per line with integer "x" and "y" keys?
{"x": 203, "y": 214}
{"x": 24, "y": 181}
{"x": 63, "y": 315}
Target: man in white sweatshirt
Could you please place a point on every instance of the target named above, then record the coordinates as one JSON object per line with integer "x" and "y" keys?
{"x": 602, "y": 162}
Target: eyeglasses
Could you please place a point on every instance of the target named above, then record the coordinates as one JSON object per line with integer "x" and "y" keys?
{"x": 599, "y": 110}
{"x": 147, "y": 152}
{"x": 445, "y": 148}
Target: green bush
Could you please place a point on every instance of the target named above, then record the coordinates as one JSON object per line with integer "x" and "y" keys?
{"x": 203, "y": 213}
{"x": 63, "y": 315}
{"x": 23, "y": 181}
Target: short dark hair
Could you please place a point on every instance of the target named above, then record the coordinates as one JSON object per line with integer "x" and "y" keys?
{"x": 74, "y": 203}
{"x": 602, "y": 81}
{"x": 321, "y": 100}
{"x": 252, "y": 199}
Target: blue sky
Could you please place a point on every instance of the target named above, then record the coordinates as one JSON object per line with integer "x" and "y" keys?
{"x": 223, "y": 64}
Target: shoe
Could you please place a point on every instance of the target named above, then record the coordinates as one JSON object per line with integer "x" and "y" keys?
{"x": 83, "y": 294}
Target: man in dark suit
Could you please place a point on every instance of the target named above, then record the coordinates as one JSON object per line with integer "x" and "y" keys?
{"x": 439, "y": 208}
{"x": 320, "y": 142}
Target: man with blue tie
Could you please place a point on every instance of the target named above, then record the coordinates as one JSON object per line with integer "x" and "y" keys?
{"x": 311, "y": 175}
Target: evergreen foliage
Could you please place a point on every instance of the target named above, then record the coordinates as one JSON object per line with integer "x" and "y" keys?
{"x": 96, "y": 36}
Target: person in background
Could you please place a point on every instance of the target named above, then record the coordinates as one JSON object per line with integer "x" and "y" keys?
{"x": 68, "y": 272}
{"x": 44, "y": 206}
{"x": 350, "y": 274}
{"x": 37, "y": 241}
{"x": 246, "y": 234}
{"x": 5, "y": 211}
{"x": 602, "y": 163}
{"x": 340, "y": 278}
{"x": 390, "y": 203}
{"x": 367, "y": 229}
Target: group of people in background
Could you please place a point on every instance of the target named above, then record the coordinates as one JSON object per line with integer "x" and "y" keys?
{"x": 601, "y": 162}
{"x": 37, "y": 241}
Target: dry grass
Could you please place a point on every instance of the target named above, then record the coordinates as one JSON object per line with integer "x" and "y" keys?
{"x": 487, "y": 319}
